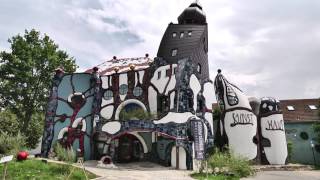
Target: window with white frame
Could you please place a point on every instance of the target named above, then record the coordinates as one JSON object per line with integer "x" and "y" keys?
{"x": 174, "y": 52}
{"x": 290, "y": 108}
{"x": 313, "y": 107}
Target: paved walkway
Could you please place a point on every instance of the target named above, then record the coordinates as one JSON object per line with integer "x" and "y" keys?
{"x": 285, "y": 175}
{"x": 138, "y": 171}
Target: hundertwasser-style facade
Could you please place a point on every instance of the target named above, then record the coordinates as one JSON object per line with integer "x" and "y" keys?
{"x": 140, "y": 108}
{"x": 160, "y": 109}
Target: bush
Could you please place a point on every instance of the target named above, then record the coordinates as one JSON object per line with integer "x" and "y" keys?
{"x": 9, "y": 124}
{"x": 289, "y": 147}
{"x": 226, "y": 163}
{"x": 64, "y": 154}
{"x": 11, "y": 145}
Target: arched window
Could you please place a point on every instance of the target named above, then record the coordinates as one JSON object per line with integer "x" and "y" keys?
{"x": 199, "y": 68}
{"x": 174, "y": 34}
{"x": 174, "y": 52}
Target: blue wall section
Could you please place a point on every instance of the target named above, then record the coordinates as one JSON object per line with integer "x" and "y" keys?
{"x": 69, "y": 84}
{"x": 302, "y": 151}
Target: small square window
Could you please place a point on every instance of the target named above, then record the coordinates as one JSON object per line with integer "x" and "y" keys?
{"x": 174, "y": 70}
{"x": 174, "y": 52}
{"x": 174, "y": 34}
{"x": 159, "y": 74}
{"x": 181, "y": 34}
{"x": 290, "y": 108}
{"x": 168, "y": 72}
{"x": 313, "y": 107}
{"x": 189, "y": 33}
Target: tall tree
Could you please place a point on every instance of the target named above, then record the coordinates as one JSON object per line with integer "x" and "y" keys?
{"x": 25, "y": 75}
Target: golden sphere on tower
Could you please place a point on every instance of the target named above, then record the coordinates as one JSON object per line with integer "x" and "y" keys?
{"x": 132, "y": 66}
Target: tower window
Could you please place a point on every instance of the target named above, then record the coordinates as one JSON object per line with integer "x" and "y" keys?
{"x": 174, "y": 34}
{"x": 174, "y": 52}
{"x": 189, "y": 33}
{"x": 181, "y": 34}
{"x": 174, "y": 70}
{"x": 199, "y": 68}
{"x": 168, "y": 72}
{"x": 159, "y": 74}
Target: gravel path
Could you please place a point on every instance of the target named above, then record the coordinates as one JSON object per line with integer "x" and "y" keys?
{"x": 285, "y": 175}
{"x": 138, "y": 171}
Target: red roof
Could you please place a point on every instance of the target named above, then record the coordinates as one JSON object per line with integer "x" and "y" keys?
{"x": 301, "y": 110}
{"x": 123, "y": 65}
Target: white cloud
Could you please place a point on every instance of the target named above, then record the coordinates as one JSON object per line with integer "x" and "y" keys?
{"x": 266, "y": 47}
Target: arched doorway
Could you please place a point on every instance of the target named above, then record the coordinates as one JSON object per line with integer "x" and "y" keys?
{"x": 129, "y": 149}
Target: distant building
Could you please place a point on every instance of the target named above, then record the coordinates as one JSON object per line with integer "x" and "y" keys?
{"x": 299, "y": 116}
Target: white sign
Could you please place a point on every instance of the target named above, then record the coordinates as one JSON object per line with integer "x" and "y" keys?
{"x": 6, "y": 159}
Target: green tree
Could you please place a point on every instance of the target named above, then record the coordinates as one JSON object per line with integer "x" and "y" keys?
{"x": 25, "y": 77}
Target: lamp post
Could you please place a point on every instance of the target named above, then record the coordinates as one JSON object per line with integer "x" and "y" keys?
{"x": 312, "y": 147}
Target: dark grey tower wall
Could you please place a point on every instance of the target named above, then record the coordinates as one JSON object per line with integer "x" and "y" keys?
{"x": 193, "y": 46}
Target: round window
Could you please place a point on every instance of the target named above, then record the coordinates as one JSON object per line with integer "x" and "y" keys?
{"x": 137, "y": 91}
{"x": 304, "y": 135}
{"x": 108, "y": 95}
{"x": 123, "y": 89}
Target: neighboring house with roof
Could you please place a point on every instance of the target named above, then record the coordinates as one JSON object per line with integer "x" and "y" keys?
{"x": 299, "y": 116}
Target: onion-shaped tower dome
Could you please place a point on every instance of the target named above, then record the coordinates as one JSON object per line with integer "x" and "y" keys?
{"x": 193, "y": 15}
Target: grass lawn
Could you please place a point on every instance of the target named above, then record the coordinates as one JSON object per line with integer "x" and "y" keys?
{"x": 36, "y": 170}
{"x": 203, "y": 176}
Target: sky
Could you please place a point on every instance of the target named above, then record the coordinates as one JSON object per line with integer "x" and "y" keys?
{"x": 265, "y": 47}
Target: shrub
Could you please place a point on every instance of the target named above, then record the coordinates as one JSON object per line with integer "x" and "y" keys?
{"x": 289, "y": 147}
{"x": 227, "y": 163}
{"x": 11, "y": 145}
{"x": 64, "y": 154}
{"x": 9, "y": 124}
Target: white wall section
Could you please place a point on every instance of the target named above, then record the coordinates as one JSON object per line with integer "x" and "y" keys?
{"x": 175, "y": 117}
{"x": 182, "y": 158}
{"x": 272, "y": 128}
{"x": 209, "y": 94}
{"x": 241, "y": 127}
{"x": 172, "y": 100}
{"x": 152, "y": 98}
{"x": 196, "y": 87}
{"x": 111, "y": 127}
{"x": 107, "y": 112}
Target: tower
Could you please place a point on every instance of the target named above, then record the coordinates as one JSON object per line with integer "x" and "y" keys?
{"x": 187, "y": 39}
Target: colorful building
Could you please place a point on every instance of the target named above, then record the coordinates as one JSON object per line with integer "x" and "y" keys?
{"x": 160, "y": 109}
{"x": 136, "y": 109}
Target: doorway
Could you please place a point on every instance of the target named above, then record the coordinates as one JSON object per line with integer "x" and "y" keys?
{"x": 130, "y": 149}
